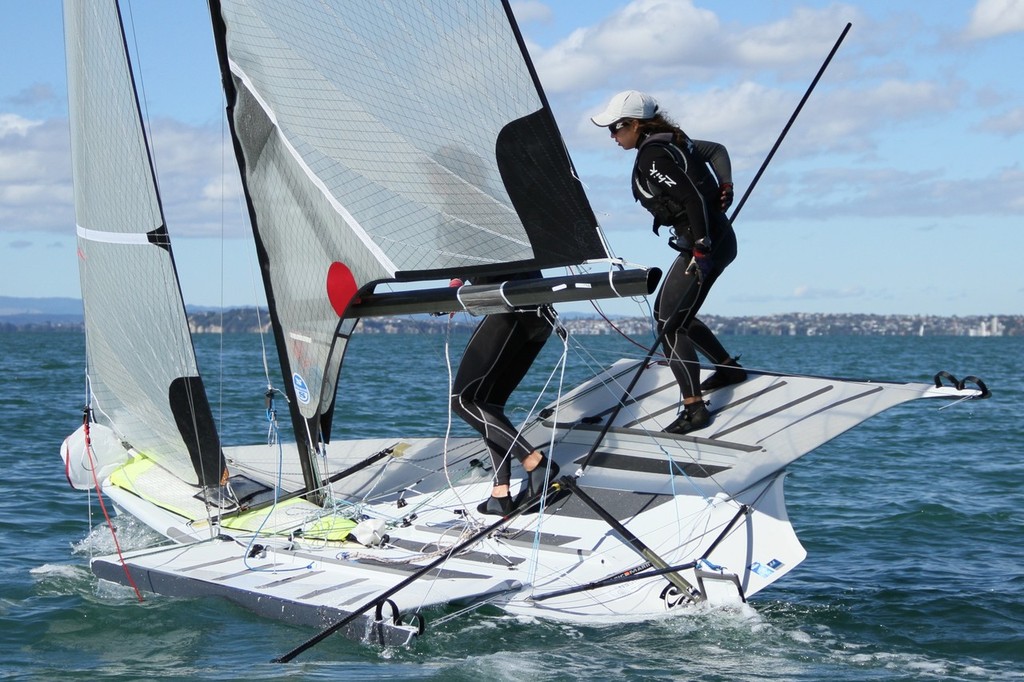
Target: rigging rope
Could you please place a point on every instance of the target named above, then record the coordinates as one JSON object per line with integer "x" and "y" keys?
{"x": 99, "y": 496}
{"x": 562, "y": 362}
{"x": 448, "y": 425}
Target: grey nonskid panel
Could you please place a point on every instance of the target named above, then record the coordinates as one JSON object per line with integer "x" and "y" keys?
{"x": 364, "y": 628}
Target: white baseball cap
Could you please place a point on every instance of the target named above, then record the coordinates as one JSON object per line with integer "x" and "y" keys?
{"x": 628, "y": 104}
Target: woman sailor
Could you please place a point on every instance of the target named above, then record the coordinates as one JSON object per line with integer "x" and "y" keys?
{"x": 672, "y": 180}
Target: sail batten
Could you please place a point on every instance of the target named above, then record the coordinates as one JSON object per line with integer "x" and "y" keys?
{"x": 109, "y": 237}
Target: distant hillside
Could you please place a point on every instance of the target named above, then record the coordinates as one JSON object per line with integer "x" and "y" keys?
{"x": 14, "y": 306}
{"x": 17, "y": 313}
{"x": 65, "y": 314}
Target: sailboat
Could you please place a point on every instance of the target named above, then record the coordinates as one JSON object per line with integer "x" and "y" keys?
{"x": 383, "y": 142}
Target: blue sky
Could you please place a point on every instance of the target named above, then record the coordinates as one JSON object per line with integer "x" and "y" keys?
{"x": 900, "y": 189}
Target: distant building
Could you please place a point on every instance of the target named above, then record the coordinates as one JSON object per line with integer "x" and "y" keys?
{"x": 249, "y": 320}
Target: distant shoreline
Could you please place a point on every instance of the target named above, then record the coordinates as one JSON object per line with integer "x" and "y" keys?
{"x": 245, "y": 320}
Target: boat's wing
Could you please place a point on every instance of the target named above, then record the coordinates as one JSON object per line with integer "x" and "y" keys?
{"x": 760, "y": 426}
{"x": 305, "y": 586}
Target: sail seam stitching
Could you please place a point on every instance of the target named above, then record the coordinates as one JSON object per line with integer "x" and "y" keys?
{"x": 357, "y": 228}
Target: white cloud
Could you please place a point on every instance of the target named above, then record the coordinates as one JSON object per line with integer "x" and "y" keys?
{"x": 531, "y": 10}
{"x": 806, "y": 291}
{"x": 677, "y": 52}
{"x": 644, "y": 35}
{"x": 198, "y": 179}
{"x": 995, "y": 17}
{"x": 35, "y": 175}
{"x": 671, "y": 43}
{"x": 749, "y": 116}
{"x": 862, "y": 112}
{"x": 1008, "y": 124}
{"x": 196, "y": 182}
{"x": 875, "y": 193}
{"x": 866, "y": 146}
{"x": 805, "y": 37}
{"x": 12, "y": 124}
{"x": 745, "y": 113}
{"x": 37, "y": 94}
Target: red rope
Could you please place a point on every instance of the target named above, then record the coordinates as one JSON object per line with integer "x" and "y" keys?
{"x": 613, "y": 326}
{"x": 99, "y": 496}
{"x": 607, "y": 320}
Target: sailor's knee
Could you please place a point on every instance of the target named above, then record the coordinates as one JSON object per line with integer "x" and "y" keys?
{"x": 459, "y": 404}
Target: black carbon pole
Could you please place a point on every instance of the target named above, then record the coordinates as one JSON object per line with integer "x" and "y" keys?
{"x": 792, "y": 118}
{"x": 685, "y": 588}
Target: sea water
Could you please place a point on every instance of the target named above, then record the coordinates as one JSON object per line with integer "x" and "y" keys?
{"x": 912, "y": 522}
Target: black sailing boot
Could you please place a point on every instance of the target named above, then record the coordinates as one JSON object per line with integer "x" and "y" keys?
{"x": 534, "y": 485}
{"x": 726, "y": 374}
{"x": 496, "y": 506}
{"x": 695, "y": 416}
{"x": 537, "y": 476}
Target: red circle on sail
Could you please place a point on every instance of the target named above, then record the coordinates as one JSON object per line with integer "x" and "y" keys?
{"x": 341, "y": 287}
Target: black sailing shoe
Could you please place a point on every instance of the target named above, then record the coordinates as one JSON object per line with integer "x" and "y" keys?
{"x": 695, "y": 416}
{"x": 728, "y": 373}
{"x": 496, "y": 506}
{"x": 537, "y": 477}
{"x": 535, "y": 484}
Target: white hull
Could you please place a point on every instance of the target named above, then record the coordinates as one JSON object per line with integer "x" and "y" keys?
{"x": 722, "y": 508}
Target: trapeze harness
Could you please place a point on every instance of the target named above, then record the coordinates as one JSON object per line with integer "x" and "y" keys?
{"x": 686, "y": 201}
{"x": 676, "y": 186}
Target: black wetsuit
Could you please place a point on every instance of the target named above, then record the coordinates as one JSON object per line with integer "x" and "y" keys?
{"x": 497, "y": 357}
{"x": 675, "y": 184}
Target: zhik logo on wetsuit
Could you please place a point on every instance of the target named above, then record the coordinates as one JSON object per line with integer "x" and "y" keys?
{"x": 661, "y": 177}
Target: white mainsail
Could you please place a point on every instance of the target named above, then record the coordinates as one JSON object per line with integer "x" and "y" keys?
{"x": 143, "y": 376}
{"x": 434, "y": 156}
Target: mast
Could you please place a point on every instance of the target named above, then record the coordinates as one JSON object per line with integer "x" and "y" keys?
{"x": 306, "y": 429}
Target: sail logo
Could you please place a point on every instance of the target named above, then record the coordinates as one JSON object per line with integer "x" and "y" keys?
{"x": 301, "y": 389}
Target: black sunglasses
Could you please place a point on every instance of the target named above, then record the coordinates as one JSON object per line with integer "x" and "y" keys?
{"x": 618, "y": 125}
